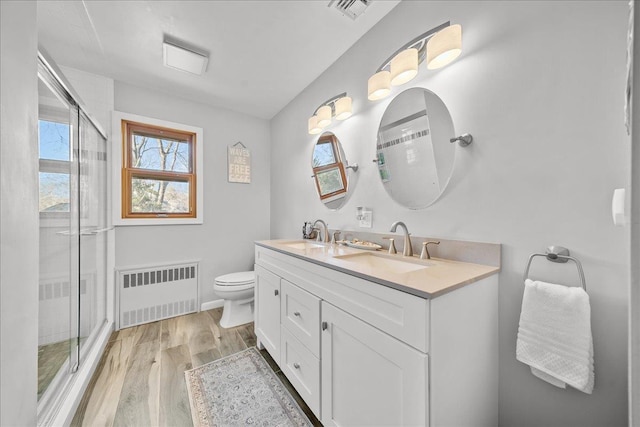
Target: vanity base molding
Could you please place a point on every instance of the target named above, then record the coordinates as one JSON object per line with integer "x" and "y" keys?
{"x": 361, "y": 353}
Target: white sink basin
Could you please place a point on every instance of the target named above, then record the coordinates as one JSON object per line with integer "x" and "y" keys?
{"x": 381, "y": 262}
{"x": 302, "y": 245}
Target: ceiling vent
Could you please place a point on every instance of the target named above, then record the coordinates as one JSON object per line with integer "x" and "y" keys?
{"x": 350, "y": 8}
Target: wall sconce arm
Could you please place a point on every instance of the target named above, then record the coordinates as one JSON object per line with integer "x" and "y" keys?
{"x": 331, "y": 102}
{"x": 419, "y": 43}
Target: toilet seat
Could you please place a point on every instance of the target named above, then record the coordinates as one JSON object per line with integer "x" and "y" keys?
{"x": 233, "y": 286}
{"x": 238, "y": 281}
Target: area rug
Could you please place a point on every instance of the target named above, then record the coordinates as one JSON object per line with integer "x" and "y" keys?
{"x": 241, "y": 389}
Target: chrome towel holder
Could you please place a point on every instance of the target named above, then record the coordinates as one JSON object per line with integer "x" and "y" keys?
{"x": 561, "y": 255}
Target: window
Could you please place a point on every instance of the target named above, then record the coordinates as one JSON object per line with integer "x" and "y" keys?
{"x": 159, "y": 172}
{"x": 328, "y": 169}
{"x": 53, "y": 142}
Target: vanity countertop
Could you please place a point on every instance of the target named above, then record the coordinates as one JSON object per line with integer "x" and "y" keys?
{"x": 423, "y": 278}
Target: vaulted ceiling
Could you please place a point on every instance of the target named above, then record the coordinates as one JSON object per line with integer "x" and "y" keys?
{"x": 262, "y": 54}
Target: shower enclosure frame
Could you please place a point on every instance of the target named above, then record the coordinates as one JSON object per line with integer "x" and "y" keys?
{"x": 60, "y": 400}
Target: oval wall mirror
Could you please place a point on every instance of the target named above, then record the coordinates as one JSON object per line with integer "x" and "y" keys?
{"x": 415, "y": 157}
{"x": 330, "y": 171}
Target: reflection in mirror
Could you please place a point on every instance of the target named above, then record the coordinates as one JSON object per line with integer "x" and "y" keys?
{"x": 330, "y": 171}
{"x": 415, "y": 157}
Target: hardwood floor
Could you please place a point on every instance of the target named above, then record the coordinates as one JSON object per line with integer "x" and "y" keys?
{"x": 51, "y": 357}
{"x": 140, "y": 378}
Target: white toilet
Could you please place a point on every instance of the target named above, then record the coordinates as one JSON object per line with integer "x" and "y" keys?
{"x": 237, "y": 291}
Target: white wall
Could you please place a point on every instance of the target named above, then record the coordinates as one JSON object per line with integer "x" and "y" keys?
{"x": 634, "y": 294}
{"x": 235, "y": 214}
{"x": 540, "y": 86}
{"x": 18, "y": 214}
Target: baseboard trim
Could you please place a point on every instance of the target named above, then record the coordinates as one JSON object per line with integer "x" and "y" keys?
{"x": 211, "y": 304}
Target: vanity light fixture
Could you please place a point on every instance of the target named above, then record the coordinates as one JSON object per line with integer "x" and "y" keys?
{"x": 338, "y": 106}
{"x": 439, "y": 45}
{"x": 314, "y": 129}
{"x": 444, "y": 47}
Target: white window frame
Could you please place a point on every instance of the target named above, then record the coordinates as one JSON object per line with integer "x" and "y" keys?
{"x": 117, "y": 164}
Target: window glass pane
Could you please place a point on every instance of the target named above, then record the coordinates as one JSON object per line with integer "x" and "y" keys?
{"x": 159, "y": 196}
{"x": 54, "y": 192}
{"x": 160, "y": 154}
{"x": 329, "y": 181}
{"x": 53, "y": 138}
{"x": 323, "y": 155}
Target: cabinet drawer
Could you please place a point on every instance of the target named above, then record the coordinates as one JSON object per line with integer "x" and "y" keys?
{"x": 302, "y": 369}
{"x": 300, "y": 314}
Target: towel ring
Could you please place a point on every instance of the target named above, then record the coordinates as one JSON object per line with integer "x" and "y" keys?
{"x": 561, "y": 255}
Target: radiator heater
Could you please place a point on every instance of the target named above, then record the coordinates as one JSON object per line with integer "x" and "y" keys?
{"x": 154, "y": 293}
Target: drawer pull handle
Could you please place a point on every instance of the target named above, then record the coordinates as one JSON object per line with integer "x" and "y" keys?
{"x": 297, "y": 313}
{"x": 325, "y": 325}
{"x": 276, "y": 292}
{"x": 296, "y": 365}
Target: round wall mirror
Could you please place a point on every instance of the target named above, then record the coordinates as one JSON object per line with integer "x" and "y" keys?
{"x": 415, "y": 157}
{"x": 330, "y": 171}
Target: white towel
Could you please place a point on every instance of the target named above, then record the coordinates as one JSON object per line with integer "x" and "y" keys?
{"x": 554, "y": 336}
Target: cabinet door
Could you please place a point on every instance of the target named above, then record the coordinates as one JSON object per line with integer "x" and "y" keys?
{"x": 267, "y": 311}
{"x": 368, "y": 377}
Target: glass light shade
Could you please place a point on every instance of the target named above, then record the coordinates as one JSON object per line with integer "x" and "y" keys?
{"x": 343, "y": 108}
{"x": 324, "y": 116}
{"x": 379, "y": 85}
{"x": 404, "y": 66}
{"x": 444, "y": 47}
{"x": 314, "y": 129}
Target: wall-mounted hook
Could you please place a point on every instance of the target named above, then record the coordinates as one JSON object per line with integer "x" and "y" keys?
{"x": 463, "y": 140}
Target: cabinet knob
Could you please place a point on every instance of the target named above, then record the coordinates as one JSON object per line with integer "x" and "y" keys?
{"x": 297, "y": 313}
{"x": 276, "y": 292}
{"x": 325, "y": 325}
{"x": 296, "y": 365}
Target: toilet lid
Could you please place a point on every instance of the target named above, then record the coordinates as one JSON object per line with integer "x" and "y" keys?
{"x": 234, "y": 279}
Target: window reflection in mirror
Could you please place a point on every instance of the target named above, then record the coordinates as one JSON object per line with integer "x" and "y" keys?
{"x": 329, "y": 171}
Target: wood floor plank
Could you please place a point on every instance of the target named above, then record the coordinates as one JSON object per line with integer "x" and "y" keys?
{"x": 227, "y": 340}
{"x": 140, "y": 381}
{"x": 51, "y": 357}
{"x": 247, "y": 334}
{"x": 174, "y": 400}
{"x": 147, "y": 333}
{"x": 200, "y": 333}
{"x": 100, "y": 408}
{"x": 138, "y": 403}
{"x": 205, "y": 357}
{"x": 123, "y": 333}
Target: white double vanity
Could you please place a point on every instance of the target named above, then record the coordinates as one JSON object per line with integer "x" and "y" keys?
{"x": 368, "y": 338}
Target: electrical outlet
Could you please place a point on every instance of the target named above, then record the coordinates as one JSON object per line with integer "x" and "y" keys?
{"x": 366, "y": 219}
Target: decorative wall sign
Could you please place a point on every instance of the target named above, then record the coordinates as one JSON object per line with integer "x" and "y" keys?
{"x": 239, "y": 158}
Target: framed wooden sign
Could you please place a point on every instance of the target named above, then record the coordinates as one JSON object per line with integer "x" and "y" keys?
{"x": 239, "y": 159}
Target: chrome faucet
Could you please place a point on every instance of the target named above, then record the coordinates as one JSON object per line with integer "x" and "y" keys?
{"x": 326, "y": 231}
{"x": 408, "y": 249}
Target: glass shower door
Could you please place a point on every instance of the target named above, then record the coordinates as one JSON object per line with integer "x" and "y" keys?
{"x": 93, "y": 232}
{"x": 59, "y": 240}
